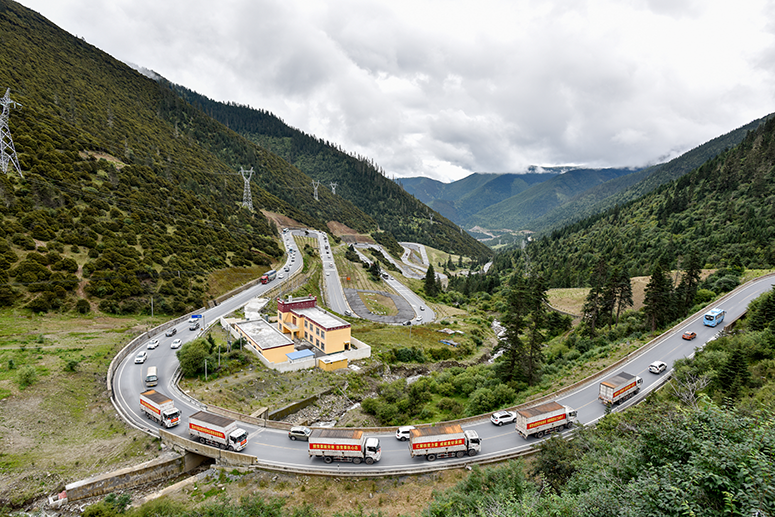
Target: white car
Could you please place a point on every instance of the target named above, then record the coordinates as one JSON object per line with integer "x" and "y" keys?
{"x": 404, "y": 433}
{"x": 280, "y": 276}
{"x": 503, "y": 417}
{"x": 176, "y": 344}
{"x": 141, "y": 357}
{"x": 657, "y": 367}
{"x": 152, "y": 344}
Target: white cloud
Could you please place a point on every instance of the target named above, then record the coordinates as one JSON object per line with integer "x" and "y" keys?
{"x": 444, "y": 88}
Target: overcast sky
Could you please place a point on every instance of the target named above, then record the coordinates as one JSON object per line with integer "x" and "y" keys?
{"x": 444, "y": 88}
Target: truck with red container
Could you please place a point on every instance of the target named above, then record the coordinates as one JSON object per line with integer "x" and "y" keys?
{"x": 618, "y": 388}
{"x": 159, "y": 408}
{"x": 544, "y": 419}
{"x": 268, "y": 276}
{"x": 344, "y": 445}
{"x": 217, "y": 431}
{"x": 445, "y": 441}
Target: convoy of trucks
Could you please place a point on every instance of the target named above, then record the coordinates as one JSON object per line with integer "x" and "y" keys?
{"x": 621, "y": 386}
{"x": 445, "y": 441}
{"x": 268, "y": 276}
{"x": 544, "y": 419}
{"x": 344, "y": 445}
{"x": 159, "y": 408}
{"x": 217, "y": 431}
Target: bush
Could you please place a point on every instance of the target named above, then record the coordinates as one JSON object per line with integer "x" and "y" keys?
{"x": 27, "y": 376}
{"x": 82, "y": 306}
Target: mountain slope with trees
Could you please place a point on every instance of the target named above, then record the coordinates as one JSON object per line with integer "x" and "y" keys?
{"x": 358, "y": 179}
{"x": 627, "y": 188}
{"x": 128, "y": 190}
{"x": 723, "y": 211}
{"x": 516, "y": 212}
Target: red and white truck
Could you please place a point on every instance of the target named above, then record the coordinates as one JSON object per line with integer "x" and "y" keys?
{"x": 445, "y": 441}
{"x": 620, "y": 387}
{"x": 217, "y": 431}
{"x": 344, "y": 445}
{"x": 544, "y": 419}
{"x": 159, "y": 408}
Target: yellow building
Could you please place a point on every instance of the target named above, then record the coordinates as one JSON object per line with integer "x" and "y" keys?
{"x": 264, "y": 339}
{"x": 304, "y": 320}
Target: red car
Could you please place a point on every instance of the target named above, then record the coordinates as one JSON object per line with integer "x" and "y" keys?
{"x": 689, "y": 335}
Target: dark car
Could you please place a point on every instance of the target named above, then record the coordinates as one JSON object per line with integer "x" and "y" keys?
{"x": 171, "y": 331}
{"x": 689, "y": 335}
{"x": 299, "y": 432}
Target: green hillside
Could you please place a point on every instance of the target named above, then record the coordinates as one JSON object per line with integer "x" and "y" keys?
{"x": 128, "y": 191}
{"x": 358, "y": 179}
{"x": 723, "y": 211}
{"x": 516, "y": 212}
{"x": 627, "y": 188}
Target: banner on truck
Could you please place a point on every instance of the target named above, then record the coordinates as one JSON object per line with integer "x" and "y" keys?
{"x": 334, "y": 447}
{"x": 207, "y": 431}
{"x": 443, "y": 443}
{"x": 546, "y": 421}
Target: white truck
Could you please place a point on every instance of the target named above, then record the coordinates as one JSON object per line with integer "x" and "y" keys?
{"x": 159, "y": 408}
{"x": 344, "y": 445}
{"x": 217, "y": 431}
{"x": 544, "y": 419}
{"x": 620, "y": 387}
{"x": 444, "y": 441}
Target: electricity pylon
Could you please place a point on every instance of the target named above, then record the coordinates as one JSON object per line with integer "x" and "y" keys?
{"x": 7, "y": 149}
{"x": 247, "y": 199}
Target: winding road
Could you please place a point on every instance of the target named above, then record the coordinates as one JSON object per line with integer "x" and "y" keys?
{"x": 272, "y": 447}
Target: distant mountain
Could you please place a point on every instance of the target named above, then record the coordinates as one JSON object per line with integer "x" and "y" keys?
{"x": 460, "y": 199}
{"x": 722, "y": 211}
{"x": 622, "y": 190}
{"x": 518, "y": 211}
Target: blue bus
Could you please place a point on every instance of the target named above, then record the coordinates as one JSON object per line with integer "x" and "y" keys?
{"x": 713, "y": 317}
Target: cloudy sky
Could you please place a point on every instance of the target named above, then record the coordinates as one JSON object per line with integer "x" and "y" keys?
{"x": 444, "y": 88}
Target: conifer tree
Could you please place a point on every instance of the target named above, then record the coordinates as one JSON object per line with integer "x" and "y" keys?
{"x": 659, "y": 298}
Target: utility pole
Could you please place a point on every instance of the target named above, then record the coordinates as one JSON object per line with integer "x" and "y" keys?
{"x": 247, "y": 199}
{"x": 7, "y": 149}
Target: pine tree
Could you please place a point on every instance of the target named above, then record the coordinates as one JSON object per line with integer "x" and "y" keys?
{"x": 687, "y": 289}
{"x": 623, "y": 289}
{"x": 659, "y": 298}
{"x": 431, "y": 287}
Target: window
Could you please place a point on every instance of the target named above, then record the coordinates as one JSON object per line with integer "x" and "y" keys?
{"x": 294, "y": 320}
{"x": 323, "y": 334}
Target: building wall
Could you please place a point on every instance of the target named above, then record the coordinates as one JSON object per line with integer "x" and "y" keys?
{"x": 335, "y": 365}
{"x": 329, "y": 341}
{"x": 277, "y": 354}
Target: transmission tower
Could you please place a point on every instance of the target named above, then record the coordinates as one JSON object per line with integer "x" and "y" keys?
{"x": 7, "y": 150}
{"x": 315, "y": 185}
{"x": 333, "y": 187}
{"x": 247, "y": 199}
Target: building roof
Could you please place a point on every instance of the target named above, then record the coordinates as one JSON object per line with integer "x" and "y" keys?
{"x": 322, "y": 318}
{"x": 300, "y": 354}
{"x": 264, "y": 334}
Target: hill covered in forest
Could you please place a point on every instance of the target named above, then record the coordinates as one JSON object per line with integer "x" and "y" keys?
{"x": 357, "y": 178}
{"x": 723, "y": 211}
{"x": 128, "y": 191}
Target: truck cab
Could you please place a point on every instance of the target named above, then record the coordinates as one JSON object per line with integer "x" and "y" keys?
{"x": 474, "y": 442}
{"x": 373, "y": 449}
{"x": 238, "y": 439}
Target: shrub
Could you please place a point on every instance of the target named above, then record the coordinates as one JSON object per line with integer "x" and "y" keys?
{"x": 27, "y": 376}
{"x": 82, "y": 306}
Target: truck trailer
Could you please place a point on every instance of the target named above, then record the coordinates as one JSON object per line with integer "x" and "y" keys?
{"x": 444, "y": 441}
{"x": 621, "y": 386}
{"x": 344, "y": 445}
{"x": 159, "y": 408}
{"x": 217, "y": 431}
{"x": 544, "y": 419}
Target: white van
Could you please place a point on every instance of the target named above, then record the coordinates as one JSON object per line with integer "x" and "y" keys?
{"x": 151, "y": 378}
